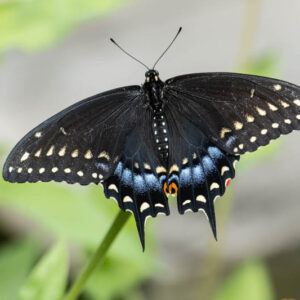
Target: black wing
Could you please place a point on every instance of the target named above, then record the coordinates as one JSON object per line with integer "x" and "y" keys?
{"x": 80, "y": 144}
{"x": 106, "y": 138}
{"x": 238, "y": 112}
{"x": 138, "y": 179}
{"x": 198, "y": 168}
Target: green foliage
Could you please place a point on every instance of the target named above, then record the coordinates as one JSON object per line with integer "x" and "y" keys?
{"x": 249, "y": 281}
{"x": 36, "y": 24}
{"x": 82, "y": 215}
{"x": 48, "y": 279}
{"x": 15, "y": 261}
{"x": 266, "y": 64}
{"x": 124, "y": 273}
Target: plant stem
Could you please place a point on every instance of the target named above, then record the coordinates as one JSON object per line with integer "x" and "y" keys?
{"x": 99, "y": 255}
{"x": 248, "y": 33}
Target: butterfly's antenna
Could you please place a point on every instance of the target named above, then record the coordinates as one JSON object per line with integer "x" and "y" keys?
{"x": 168, "y": 47}
{"x": 113, "y": 41}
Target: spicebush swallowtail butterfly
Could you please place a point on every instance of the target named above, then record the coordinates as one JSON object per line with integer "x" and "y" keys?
{"x": 142, "y": 143}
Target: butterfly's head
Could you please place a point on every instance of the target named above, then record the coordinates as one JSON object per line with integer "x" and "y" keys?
{"x": 152, "y": 76}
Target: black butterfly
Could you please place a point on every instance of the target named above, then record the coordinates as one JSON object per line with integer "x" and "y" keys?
{"x": 142, "y": 143}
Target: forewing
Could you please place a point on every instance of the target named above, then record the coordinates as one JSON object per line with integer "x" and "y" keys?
{"x": 80, "y": 144}
{"x": 238, "y": 112}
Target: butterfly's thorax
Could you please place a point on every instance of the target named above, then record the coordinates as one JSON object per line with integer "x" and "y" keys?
{"x": 153, "y": 89}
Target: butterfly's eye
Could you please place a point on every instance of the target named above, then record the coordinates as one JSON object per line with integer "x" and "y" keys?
{"x": 148, "y": 79}
{"x": 156, "y": 78}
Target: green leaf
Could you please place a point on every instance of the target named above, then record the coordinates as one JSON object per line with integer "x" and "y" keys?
{"x": 266, "y": 64}
{"x": 82, "y": 215}
{"x": 15, "y": 260}
{"x": 48, "y": 279}
{"x": 71, "y": 212}
{"x": 115, "y": 276}
{"x": 250, "y": 281}
{"x": 36, "y": 24}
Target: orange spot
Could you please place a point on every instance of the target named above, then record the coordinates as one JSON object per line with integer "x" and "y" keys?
{"x": 227, "y": 182}
{"x": 173, "y": 188}
{"x": 165, "y": 189}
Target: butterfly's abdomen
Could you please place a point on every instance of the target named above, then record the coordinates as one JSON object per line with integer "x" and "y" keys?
{"x": 160, "y": 133}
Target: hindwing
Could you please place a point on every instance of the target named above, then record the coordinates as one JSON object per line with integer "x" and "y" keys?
{"x": 137, "y": 181}
{"x": 199, "y": 171}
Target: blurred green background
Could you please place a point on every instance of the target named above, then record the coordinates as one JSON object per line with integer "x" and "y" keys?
{"x": 53, "y": 53}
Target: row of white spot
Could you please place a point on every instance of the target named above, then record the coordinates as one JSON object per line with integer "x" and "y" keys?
{"x": 238, "y": 125}
{"x": 164, "y": 131}
{"x": 263, "y": 132}
{"x": 144, "y": 206}
{"x": 62, "y": 152}
{"x": 201, "y": 198}
{"x": 127, "y": 199}
{"x": 54, "y": 170}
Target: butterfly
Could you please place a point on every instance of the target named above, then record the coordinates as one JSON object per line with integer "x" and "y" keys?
{"x": 179, "y": 137}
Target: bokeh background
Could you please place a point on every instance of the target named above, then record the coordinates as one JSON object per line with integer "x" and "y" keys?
{"x": 53, "y": 53}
